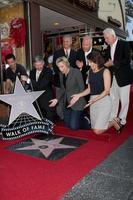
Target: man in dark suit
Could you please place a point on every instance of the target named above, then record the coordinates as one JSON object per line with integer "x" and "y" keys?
{"x": 41, "y": 79}
{"x": 81, "y": 58}
{"x": 118, "y": 61}
{"x": 83, "y": 65}
{"x": 66, "y": 51}
{"x": 70, "y": 54}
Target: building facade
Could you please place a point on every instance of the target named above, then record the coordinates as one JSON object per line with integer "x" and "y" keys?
{"x": 82, "y": 16}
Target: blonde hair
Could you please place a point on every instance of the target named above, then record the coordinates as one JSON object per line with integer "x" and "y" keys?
{"x": 64, "y": 60}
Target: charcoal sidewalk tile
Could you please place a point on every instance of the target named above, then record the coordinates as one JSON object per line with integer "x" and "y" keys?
{"x": 98, "y": 186}
{"x": 110, "y": 180}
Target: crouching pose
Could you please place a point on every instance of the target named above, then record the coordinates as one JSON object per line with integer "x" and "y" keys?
{"x": 99, "y": 83}
{"x": 71, "y": 82}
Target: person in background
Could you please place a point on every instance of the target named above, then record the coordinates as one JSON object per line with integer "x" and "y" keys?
{"x": 83, "y": 65}
{"x": 46, "y": 55}
{"x": 41, "y": 79}
{"x": 66, "y": 51}
{"x": 99, "y": 83}
{"x": 71, "y": 81}
{"x": 118, "y": 60}
{"x": 14, "y": 69}
{"x": 50, "y": 64}
{"x": 81, "y": 58}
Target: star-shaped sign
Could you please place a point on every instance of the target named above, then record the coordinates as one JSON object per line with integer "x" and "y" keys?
{"x": 100, "y": 40}
{"x": 104, "y": 46}
{"x": 21, "y": 101}
{"x": 47, "y": 147}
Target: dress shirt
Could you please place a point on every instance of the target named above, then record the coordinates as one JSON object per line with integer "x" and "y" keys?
{"x": 113, "y": 47}
{"x": 67, "y": 52}
{"x": 86, "y": 54}
{"x": 38, "y": 72}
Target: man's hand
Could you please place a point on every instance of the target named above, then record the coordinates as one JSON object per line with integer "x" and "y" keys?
{"x": 109, "y": 63}
{"x": 53, "y": 102}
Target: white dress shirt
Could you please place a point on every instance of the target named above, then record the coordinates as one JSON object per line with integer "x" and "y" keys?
{"x": 67, "y": 52}
{"x": 38, "y": 74}
{"x": 113, "y": 47}
{"x": 86, "y": 54}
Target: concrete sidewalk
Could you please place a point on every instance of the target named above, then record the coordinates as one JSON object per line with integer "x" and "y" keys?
{"x": 111, "y": 180}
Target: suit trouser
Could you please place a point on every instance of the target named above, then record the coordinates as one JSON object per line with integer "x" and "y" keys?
{"x": 74, "y": 119}
{"x": 119, "y": 95}
{"x": 60, "y": 106}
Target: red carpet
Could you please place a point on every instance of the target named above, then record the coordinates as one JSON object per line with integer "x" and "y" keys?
{"x": 27, "y": 178}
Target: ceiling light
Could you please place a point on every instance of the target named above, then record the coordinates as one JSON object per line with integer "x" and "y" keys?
{"x": 56, "y": 23}
{"x": 5, "y": 2}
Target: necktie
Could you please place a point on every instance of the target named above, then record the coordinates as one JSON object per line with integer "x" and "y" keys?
{"x": 37, "y": 75}
{"x": 66, "y": 53}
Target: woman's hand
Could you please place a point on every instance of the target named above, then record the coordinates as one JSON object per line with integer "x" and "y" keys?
{"x": 53, "y": 102}
{"x": 74, "y": 99}
{"x": 90, "y": 102}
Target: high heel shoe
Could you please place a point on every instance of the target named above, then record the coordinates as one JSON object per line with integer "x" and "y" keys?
{"x": 117, "y": 125}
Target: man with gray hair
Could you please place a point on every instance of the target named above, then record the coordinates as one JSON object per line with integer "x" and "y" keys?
{"x": 41, "y": 79}
{"x": 66, "y": 51}
{"x": 118, "y": 61}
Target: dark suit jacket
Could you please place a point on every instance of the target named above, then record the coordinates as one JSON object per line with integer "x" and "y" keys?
{"x": 121, "y": 68}
{"x": 71, "y": 59}
{"x": 74, "y": 85}
{"x": 44, "y": 83}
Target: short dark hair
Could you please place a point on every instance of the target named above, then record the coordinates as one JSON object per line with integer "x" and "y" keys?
{"x": 96, "y": 57}
{"x": 9, "y": 56}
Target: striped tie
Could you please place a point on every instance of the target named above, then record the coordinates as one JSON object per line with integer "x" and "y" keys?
{"x": 66, "y": 53}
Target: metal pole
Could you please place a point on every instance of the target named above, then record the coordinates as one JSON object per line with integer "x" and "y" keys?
{"x": 1, "y": 67}
{"x": 29, "y": 36}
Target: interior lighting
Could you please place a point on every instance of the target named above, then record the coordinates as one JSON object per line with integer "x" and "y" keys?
{"x": 56, "y": 23}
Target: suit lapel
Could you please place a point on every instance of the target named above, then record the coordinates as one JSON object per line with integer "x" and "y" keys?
{"x": 109, "y": 52}
{"x": 83, "y": 56}
{"x": 69, "y": 77}
{"x": 34, "y": 74}
{"x": 116, "y": 50}
{"x": 70, "y": 55}
{"x": 41, "y": 74}
{"x": 63, "y": 52}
